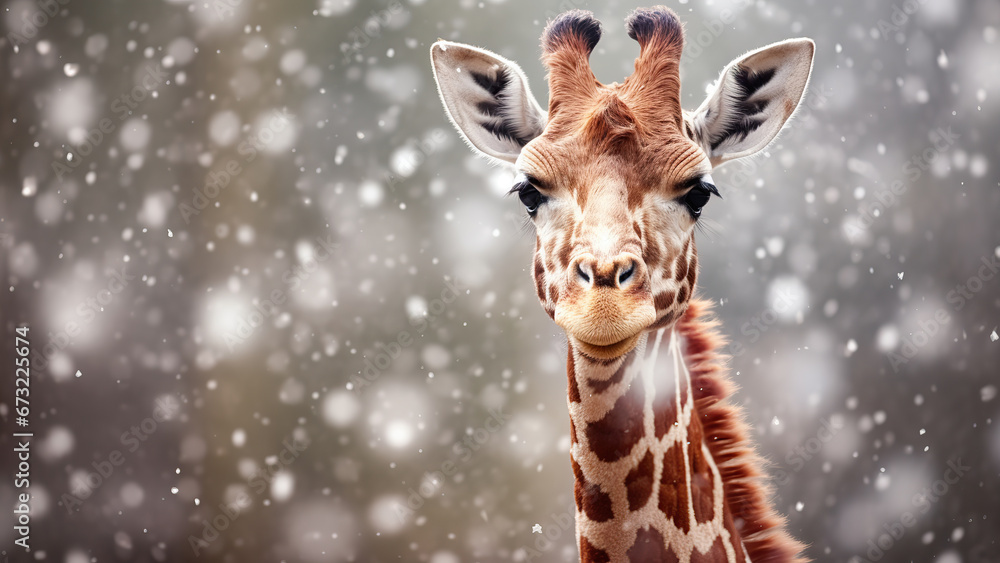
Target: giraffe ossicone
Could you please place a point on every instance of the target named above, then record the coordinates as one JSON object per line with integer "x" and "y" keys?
{"x": 614, "y": 179}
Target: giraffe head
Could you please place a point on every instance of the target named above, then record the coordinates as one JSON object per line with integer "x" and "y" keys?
{"x": 614, "y": 177}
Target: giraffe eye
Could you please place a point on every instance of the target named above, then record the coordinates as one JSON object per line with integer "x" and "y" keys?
{"x": 696, "y": 199}
{"x": 528, "y": 194}
{"x": 531, "y": 198}
{"x": 699, "y": 195}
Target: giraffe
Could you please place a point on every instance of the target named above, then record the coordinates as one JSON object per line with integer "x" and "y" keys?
{"x": 614, "y": 179}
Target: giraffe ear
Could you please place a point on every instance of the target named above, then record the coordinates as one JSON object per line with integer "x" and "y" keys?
{"x": 752, "y": 100}
{"x": 487, "y": 98}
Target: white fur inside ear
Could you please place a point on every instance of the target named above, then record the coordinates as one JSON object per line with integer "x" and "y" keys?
{"x": 487, "y": 98}
{"x": 753, "y": 98}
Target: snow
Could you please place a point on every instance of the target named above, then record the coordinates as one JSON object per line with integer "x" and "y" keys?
{"x": 398, "y": 434}
{"x": 282, "y": 486}
{"x": 371, "y": 193}
{"x": 224, "y": 127}
{"x": 340, "y": 408}
{"x": 332, "y": 8}
{"x": 887, "y": 338}
{"x": 847, "y": 298}
{"x": 57, "y": 443}
{"x": 292, "y": 61}
{"x": 988, "y": 393}
{"x": 384, "y": 514}
{"x": 132, "y": 494}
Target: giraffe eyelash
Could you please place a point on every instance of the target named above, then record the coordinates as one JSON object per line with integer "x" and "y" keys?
{"x": 708, "y": 183}
{"x": 522, "y": 181}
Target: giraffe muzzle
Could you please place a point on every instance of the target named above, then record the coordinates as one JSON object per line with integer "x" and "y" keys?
{"x": 606, "y": 321}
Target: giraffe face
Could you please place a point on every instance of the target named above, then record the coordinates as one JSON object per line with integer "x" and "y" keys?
{"x": 614, "y": 177}
{"x": 614, "y": 253}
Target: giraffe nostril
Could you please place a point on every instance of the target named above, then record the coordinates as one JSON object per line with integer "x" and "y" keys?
{"x": 625, "y": 274}
{"x": 581, "y": 273}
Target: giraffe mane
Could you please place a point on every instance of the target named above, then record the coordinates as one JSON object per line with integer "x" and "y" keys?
{"x": 727, "y": 435}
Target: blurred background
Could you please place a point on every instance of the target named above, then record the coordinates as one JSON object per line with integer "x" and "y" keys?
{"x": 274, "y": 300}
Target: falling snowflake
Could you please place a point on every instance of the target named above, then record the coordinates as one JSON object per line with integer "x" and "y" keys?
{"x": 988, "y": 393}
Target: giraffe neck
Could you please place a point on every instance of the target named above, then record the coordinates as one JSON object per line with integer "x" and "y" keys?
{"x": 647, "y": 487}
